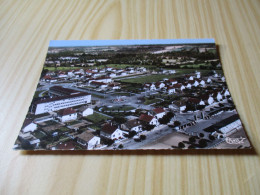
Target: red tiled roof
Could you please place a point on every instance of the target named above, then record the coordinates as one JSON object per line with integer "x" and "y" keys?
{"x": 66, "y": 111}
{"x": 108, "y": 128}
{"x": 177, "y": 85}
{"x": 158, "y": 110}
{"x": 145, "y": 117}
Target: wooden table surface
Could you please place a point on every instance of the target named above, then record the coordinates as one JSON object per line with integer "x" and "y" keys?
{"x": 26, "y": 28}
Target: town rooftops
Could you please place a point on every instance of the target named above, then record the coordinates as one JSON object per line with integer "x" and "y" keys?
{"x": 66, "y": 111}
{"x": 145, "y": 117}
{"x": 108, "y": 128}
{"x": 158, "y": 110}
{"x": 60, "y": 98}
{"x": 86, "y": 136}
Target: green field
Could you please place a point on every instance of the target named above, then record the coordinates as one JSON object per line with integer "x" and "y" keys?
{"x": 151, "y": 101}
{"x": 100, "y": 67}
{"x": 158, "y": 77}
{"x": 97, "y": 118}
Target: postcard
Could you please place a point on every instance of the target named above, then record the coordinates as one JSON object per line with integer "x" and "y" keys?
{"x": 132, "y": 95}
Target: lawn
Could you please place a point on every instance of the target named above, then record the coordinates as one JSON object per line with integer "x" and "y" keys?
{"x": 97, "y": 118}
{"x": 151, "y": 101}
{"x": 39, "y": 134}
{"x": 157, "y": 77}
{"x": 37, "y": 93}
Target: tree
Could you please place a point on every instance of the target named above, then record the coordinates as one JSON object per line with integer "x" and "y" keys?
{"x": 176, "y": 123}
{"x": 203, "y": 143}
{"x": 142, "y": 137}
{"x": 131, "y": 134}
{"x": 192, "y": 139}
{"x": 120, "y": 146}
{"x": 181, "y": 145}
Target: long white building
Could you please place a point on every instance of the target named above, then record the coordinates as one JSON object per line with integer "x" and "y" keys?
{"x": 62, "y": 102}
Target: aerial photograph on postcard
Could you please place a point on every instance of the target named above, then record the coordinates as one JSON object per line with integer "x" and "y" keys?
{"x": 132, "y": 95}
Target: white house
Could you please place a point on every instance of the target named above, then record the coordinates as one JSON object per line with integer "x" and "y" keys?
{"x": 170, "y": 90}
{"x": 147, "y": 119}
{"x": 209, "y": 80}
{"x": 217, "y": 96}
{"x": 152, "y": 87}
{"x": 226, "y": 93}
{"x": 160, "y": 85}
{"x": 188, "y": 85}
{"x": 28, "y": 126}
{"x": 132, "y": 125}
{"x": 112, "y": 74}
{"x": 159, "y": 112}
{"x": 207, "y": 99}
{"x": 112, "y": 132}
{"x": 202, "y": 83}
{"x": 197, "y": 75}
{"x": 88, "y": 140}
{"x": 85, "y": 111}
{"x": 67, "y": 114}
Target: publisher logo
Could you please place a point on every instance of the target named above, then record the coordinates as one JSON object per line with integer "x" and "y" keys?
{"x": 235, "y": 140}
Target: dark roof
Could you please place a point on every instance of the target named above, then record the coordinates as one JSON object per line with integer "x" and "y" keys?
{"x": 158, "y": 110}
{"x": 86, "y": 136}
{"x": 222, "y": 123}
{"x": 177, "y": 85}
{"x": 132, "y": 123}
{"x": 108, "y": 128}
{"x": 65, "y": 146}
{"x": 194, "y": 100}
{"x": 97, "y": 83}
{"x": 145, "y": 117}
{"x": 64, "y": 91}
{"x": 66, "y": 111}
{"x": 61, "y": 98}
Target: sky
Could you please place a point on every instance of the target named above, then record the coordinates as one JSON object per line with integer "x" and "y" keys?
{"x": 73, "y": 43}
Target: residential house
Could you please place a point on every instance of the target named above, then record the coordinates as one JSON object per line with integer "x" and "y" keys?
{"x": 159, "y": 112}
{"x": 159, "y": 85}
{"x": 88, "y": 140}
{"x": 179, "y": 87}
{"x": 132, "y": 125}
{"x": 207, "y": 99}
{"x": 170, "y": 89}
{"x": 28, "y": 126}
{"x": 112, "y": 132}
{"x": 148, "y": 120}
{"x": 85, "y": 111}
{"x": 67, "y": 114}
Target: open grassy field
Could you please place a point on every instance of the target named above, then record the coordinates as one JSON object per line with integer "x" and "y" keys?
{"x": 158, "y": 77}
{"x": 96, "y": 117}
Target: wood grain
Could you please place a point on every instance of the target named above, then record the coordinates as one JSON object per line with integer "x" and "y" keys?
{"x": 25, "y": 30}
